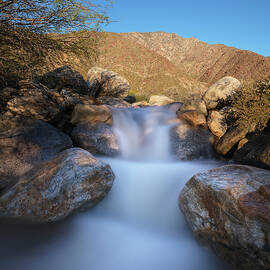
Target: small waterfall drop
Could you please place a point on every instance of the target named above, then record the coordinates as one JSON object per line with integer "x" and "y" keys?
{"x": 143, "y": 133}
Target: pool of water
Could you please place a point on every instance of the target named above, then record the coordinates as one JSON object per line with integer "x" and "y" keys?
{"x": 138, "y": 226}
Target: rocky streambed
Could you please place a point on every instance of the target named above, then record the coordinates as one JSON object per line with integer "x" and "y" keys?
{"x": 54, "y": 136}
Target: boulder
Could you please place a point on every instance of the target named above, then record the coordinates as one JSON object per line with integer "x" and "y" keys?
{"x": 65, "y": 77}
{"x": 51, "y": 191}
{"x": 23, "y": 147}
{"x": 36, "y": 101}
{"x": 217, "y": 123}
{"x": 104, "y": 82}
{"x": 231, "y": 138}
{"x": 160, "y": 100}
{"x": 220, "y": 93}
{"x": 228, "y": 209}
{"x": 114, "y": 102}
{"x": 97, "y": 139}
{"x": 195, "y": 105}
{"x": 188, "y": 142}
{"x": 92, "y": 114}
{"x": 193, "y": 118}
{"x": 255, "y": 151}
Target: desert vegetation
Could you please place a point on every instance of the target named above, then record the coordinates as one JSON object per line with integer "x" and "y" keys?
{"x": 40, "y": 34}
{"x": 253, "y": 104}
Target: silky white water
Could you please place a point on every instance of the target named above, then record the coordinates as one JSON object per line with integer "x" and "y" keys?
{"x": 138, "y": 226}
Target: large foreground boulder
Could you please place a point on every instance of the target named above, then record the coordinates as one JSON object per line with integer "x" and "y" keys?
{"x": 104, "y": 82}
{"x": 188, "y": 142}
{"x": 51, "y": 191}
{"x": 97, "y": 139}
{"x": 23, "y": 147}
{"x": 220, "y": 93}
{"x": 228, "y": 208}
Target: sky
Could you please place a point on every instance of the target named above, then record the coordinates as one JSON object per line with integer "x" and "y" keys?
{"x": 244, "y": 24}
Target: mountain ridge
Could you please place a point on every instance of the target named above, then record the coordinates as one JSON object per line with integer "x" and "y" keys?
{"x": 166, "y": 63}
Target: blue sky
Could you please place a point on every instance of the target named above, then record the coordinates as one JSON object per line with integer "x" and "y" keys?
{"x": 244, "y": 24}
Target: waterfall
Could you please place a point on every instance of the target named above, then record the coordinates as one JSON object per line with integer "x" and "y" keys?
{"x": 143, "y": 134}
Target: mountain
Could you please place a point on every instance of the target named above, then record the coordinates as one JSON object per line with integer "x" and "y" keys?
{"x": 165, "y": 63}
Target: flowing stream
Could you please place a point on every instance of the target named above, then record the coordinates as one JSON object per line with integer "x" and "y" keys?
{"x": 138, "y": 226}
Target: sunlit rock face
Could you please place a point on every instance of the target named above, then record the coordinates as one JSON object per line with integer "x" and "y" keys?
{"x": 228, "y": 208}
{"x": 92, "y": 114}
{"x": 104, "y": 82}
{"x": 160, "y": 100}
{"x": 51, "y": 191}
{"x": 192, "y": 117}
{"x": 221, "y": 92}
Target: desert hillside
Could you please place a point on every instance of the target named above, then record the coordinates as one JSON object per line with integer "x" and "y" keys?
{"x": 164, "y": 63}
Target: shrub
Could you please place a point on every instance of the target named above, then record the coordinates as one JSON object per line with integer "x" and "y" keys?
{"x": 253, "y": 104}
{"x": 139, "y": 97}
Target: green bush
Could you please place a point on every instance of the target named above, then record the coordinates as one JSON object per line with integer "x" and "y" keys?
{"x": 139, "y": 97}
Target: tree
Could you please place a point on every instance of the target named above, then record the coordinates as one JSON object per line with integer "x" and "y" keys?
{"x": 45, "y": 16}
{"x": 30, "y": 31}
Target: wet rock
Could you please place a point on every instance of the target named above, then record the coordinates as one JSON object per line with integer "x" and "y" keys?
{"x": 194, "y": 118}
{"x": 114, "y": 102}
{"x": 104, "y": 82}
{"x": 255, "y": 151}
{"x": 220, "y": 93}
{"x": 160, "y": 100}
{"x": 217, "y": 123}
{"x": 97, "y": 139}
{"x": 228, "y": 208}
{"x": 23, "y": 147}
{"x": 65, "y": 77}
{"x": 91, "y": 114}
{"x": 188, "y": 142}
{"x": 53, "y": 190}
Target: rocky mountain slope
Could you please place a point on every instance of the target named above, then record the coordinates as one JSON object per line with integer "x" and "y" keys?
{"x": 164, "y": 63}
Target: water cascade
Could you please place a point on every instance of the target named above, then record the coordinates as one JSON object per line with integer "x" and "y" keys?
{"x": 138, "y": 226}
